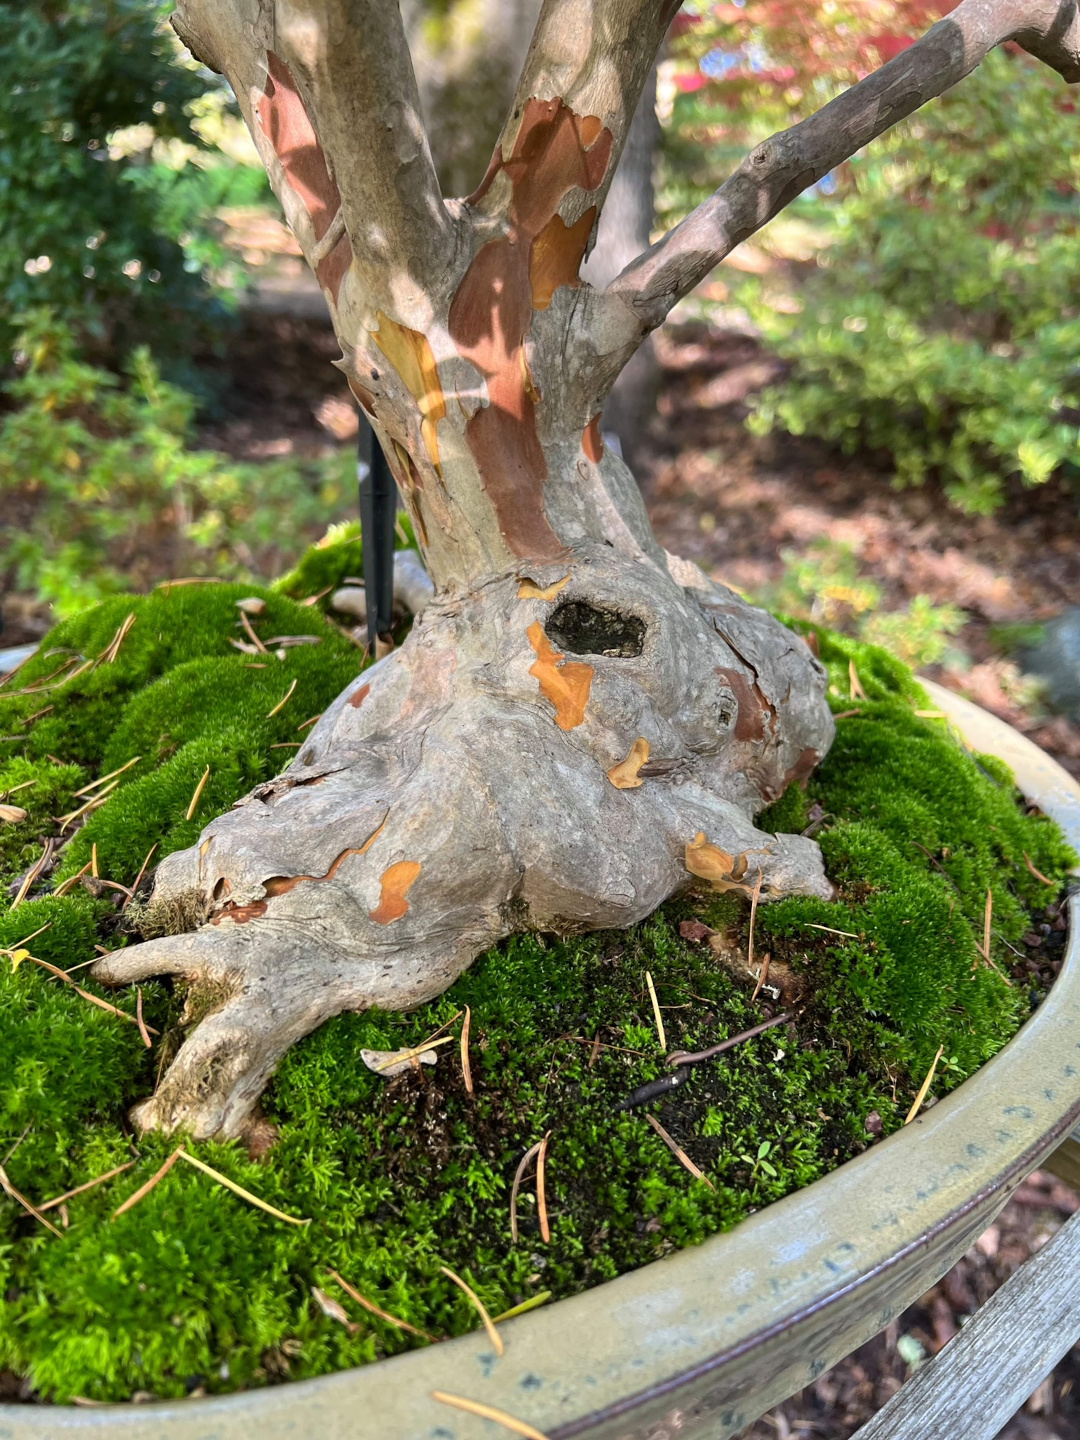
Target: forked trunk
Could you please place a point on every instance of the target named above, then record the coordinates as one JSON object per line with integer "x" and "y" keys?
{"x": 579, "y": 726}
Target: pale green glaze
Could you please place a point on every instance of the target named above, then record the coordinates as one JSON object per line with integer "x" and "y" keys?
{"x": 699, "y": 1344}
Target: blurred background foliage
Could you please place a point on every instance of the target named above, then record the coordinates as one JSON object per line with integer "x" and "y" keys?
{"x": 926, "y": 307}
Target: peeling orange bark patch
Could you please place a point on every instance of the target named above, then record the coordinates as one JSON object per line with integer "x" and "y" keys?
{"x": 566, "y": 686}
{"x": 411, "y": 355}
{"x": 555, "y": 152}
{"x": 529, "y": 590}
{"x": 557, "y": 253}
{"x": 723, "y": 871}
{"x": 285, "y": 122}
{"x": 592, "y": 442}
{"x": 624, "y": 776}
{"x": 357, "y": 698}
{"x": 395, "y": 886}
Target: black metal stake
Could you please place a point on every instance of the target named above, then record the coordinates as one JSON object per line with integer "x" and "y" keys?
{"x": 378, "y": 511}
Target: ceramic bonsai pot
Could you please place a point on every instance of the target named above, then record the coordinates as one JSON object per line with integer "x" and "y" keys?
{"x": 702, "y": 1342}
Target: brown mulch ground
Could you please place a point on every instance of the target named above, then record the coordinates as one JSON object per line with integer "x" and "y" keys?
{"x": 734, "y": 503}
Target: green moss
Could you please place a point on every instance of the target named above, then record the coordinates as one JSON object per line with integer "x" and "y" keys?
{"x": 195, "y": 1287}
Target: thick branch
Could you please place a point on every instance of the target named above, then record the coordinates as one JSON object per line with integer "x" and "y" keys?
{"x": 352, "y": 64}
{"x": 328, "y": 92}
{"x": 782, "y": 167}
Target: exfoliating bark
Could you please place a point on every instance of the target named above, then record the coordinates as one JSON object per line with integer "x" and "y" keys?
{"x": 579, "y": 725}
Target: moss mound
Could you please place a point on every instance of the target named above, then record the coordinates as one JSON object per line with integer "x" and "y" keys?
{"x": 196, "y": 1288}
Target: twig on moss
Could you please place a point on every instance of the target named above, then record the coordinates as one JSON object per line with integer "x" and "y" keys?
{"x": 20, "y": 1199}
{"x": 533, "y": 1303}
{"x": 1037, "y": 873}
{"x": 304, "y": 725}
{"x": 283, "y": 701}
{"x": 314, "y": 599}
{"x": 94, "y": 861}
{"x": 541, "y": 1190}
{"x": 850, "y": 934}
{"x": 194, "y": 801}
{"x": 16, "y": 788}
{"x": 139, "y": 1019}
{"x": 287, "y": 745}
{"x": 396, "y": 1057}
{"x": 489, "y": 1412}
{"x": 924, "y": 1087}
{"x": 481, "y": 1309}
{"x": 679, "y": 1153}
{"x": 466, "y": 1068}
{"x": 656, "y": 1011}
{"x": 89, "y": 1185}
{"x": 145, "y": 1188}
{"x": 988, "y": 913}
{"x": 239, "y": 1189}
{"x": 103, "y": 779}
{"x": 845, "y": 714}
{"x": 855, "y": 684}
{"x": 373, "y": 1309}
{"x": 680, "y": 1057}
{"x": 518, "y": 1177}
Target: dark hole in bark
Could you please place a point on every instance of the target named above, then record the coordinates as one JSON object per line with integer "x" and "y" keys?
{"x": 586, "y": 629}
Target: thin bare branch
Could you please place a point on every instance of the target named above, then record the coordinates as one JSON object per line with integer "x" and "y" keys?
{"x": 782, "y": 167}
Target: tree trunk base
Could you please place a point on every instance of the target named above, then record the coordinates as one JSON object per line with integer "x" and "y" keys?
{"x": 560, "y": 749}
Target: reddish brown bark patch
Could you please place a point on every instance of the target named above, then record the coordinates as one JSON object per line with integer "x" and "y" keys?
{"x": 750, "y": 723}
{"x": 395, "y": 883}
{"x": 555, "y": 152}
{"x": 592, "y": 442}
{"x": 331, "y": 270}
{"x": 357, "y": 698}
{"x": 803, "y": 767}
{"x": 285, "y": 122}
{"x": 239, "y": 914}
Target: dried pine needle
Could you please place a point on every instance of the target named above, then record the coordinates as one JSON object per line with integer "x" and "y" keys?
{"x": 94, "y": 999}
{"x": 142, "y": 872}
{"x": 373, "y": 1309}
{"x": 518, "y": 1177}
{"x": 139, "y": 1018}
{"x": 398, "y": 1056}
{"x": 282, "y": 702}
{"x": 480, "y": 1307}
{"x": 679, "y": 1153}
{"x": 72, "y": 880}
{"x": 145, "y": 1189}
{"x": 488, "y": 1412}
{"x": 541, "y": 1191}
{"x": 104, "y": 779}
{"x": 656, "y": 1011}
{"x": 94, "y": 803}
{"x": 763, "y": 975}
{"x": 90, "y": 1184}
{"x": 239, "y": 1189}
{"x": 193, "y": 804}
{"x": 20, "y": 1199}
{"x": 924, "y": 1087}
{"x": 988, "y": 914}
{"x": 466, "y": 1068}
{"x": 533, "y": 1303}
{"x": 1037, "y": 873}
{"x": 855, "y": 684}
{"x": 753, "y": 916}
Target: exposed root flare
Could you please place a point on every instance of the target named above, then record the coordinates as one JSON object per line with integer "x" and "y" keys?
{"x": 488, "y": 783}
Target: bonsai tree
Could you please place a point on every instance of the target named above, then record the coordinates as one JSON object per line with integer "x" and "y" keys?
{"x": 580, "y": 725}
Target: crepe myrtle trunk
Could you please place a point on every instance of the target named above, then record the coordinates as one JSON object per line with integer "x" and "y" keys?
{"x": 579, "y": 725}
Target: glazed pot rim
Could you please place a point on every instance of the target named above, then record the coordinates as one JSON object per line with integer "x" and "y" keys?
{"x": 602, "y": 1362}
